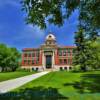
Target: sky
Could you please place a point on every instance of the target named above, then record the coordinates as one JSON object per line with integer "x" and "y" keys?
{"x": 14, "y": 32}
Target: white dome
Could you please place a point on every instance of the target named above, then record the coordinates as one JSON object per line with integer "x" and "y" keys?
{"x": 50, "y": 37}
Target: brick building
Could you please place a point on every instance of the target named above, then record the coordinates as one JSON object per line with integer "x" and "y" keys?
{"x": 48, "y": 56}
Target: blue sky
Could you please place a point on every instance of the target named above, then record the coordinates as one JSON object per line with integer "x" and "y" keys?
{"x": 15, "y": 33}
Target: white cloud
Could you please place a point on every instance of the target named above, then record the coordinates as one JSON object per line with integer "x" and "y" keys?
{"x": 34, "y": 31}
{"x": 29, "y": 33}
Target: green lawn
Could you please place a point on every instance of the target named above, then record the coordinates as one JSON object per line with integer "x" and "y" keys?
{"x": 60, "y": 85}
{"x": 11, "y": 75}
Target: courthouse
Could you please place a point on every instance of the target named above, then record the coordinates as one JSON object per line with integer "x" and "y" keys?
{"x": 49, "y": 56}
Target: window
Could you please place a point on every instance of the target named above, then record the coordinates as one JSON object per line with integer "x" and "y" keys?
{"x": 29, "y": 55}
{"x": 33, "y": 54}
{"x": 68, "y": 50}
{"x": 60, "y": 52}
{"x": 70, "y": 68}
{"x": 65, "y": 61}
{"x": 25, "y": 55}
{"x": 65, "y": 68}
{"x": 28, "y": 61}
{"x": 60, "y": 61}
{"x": 37, "y": 54}
{"x": 37, "y": 62}
{"x": 32, "y": 61}
{"x": 37, "y": 58}
{"x": 50, "y": 42}
{"x": 64, "y": 52}
{"x": 61, "y": 68}
{"x": 37, "y": 69}
{"x": 32, "y": 68}
{"x": 68, "y": 61}
{"x": 25, "y": 61}
{"x": 68, "y": 54}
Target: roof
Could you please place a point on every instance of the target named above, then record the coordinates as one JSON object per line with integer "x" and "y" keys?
{"x": 67, "y": 47}
{"x": 30, "y": 49}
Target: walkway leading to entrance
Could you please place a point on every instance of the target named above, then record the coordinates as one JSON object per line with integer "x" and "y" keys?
{"x": 6, "y": 86}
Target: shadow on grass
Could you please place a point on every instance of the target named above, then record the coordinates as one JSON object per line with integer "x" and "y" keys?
{"x": 35, "y": 93}
{"x": 89, "y": 83}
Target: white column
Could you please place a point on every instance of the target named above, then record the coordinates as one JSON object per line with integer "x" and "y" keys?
{"x": 53, "y": 62}
{"x": 43, "y": 60}
{"x": 67, "y": 68}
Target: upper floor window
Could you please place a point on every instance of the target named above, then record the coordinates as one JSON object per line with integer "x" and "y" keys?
{"x": 68, "y": 50}
{"x": 60, "y": 53}
{"x": 33, "y": 54}
{"x": 29, "y": 55}
{"x": 25, "y": 54}
{"x": 37, "y": 59}
{"x": 64, "y": 52}
{"x": 37, "y": 54}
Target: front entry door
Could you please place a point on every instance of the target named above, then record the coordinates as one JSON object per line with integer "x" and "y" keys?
{"x": 48, "y": 61}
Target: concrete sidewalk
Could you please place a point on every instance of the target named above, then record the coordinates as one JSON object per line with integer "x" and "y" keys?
{"x": 8, "y": 85}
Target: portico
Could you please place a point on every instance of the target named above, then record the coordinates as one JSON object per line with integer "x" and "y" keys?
{"x": 48, "y": 59}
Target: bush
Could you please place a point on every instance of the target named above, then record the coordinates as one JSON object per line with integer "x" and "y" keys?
{"x": 76, "y": 68}
{"x": 23, "y": 70}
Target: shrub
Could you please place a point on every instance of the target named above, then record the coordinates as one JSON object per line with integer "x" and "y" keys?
{"x": 76, "y": 68}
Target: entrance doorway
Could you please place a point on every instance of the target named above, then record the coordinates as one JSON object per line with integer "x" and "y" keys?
{"x": 48, "y": 61}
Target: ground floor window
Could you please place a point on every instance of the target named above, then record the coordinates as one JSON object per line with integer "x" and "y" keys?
{"x": 65, "y": 68}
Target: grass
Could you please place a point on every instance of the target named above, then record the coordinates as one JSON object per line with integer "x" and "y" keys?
{"x": 11, "y": 75}
{"x": 60, "y": 85}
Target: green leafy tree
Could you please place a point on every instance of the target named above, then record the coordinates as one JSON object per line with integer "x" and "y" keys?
{"x": 57, "y": 11}
{"x": 95, "y": 46}
{"x": 8, "y": 58}
{"x": 40, "y": 11}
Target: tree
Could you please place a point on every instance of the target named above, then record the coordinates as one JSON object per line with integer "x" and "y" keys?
{"x": 8, "y": 58}
{"x": 87, "y": 52}
{"x": 3, "y": 55}
{"x": 57, "y": 11}
{"x": 95, "y": 46}
{"x": 38, "y": 11}
{"x": 81, "y": 50}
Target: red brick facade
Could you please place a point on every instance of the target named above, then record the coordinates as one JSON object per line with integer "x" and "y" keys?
{"x": 36, "y": 57}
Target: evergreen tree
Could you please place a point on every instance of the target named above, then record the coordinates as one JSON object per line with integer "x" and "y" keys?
{"x": 80, "y": 51}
